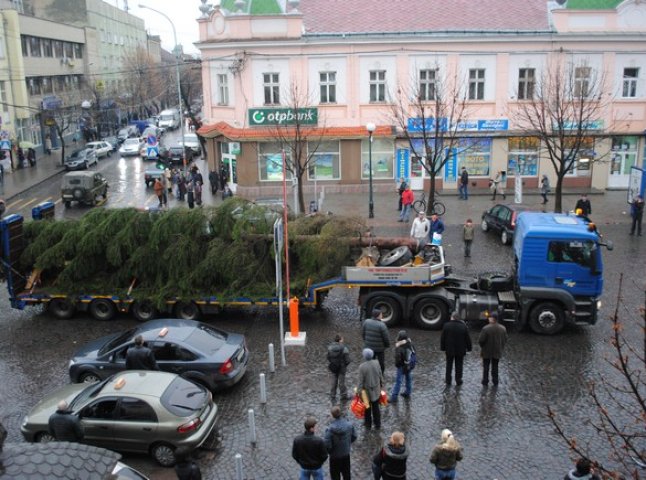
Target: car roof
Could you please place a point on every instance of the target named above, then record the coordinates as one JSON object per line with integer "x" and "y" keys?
{"x": 177, "y": 329}
{"x": 80, "y": 174}
{"x": 139, "y": 382}
{"x": 94, "y": 143}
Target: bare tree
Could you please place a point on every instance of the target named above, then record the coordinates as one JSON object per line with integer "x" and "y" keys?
{"x": 63, "y": 119}
{"x": 564, "y": 111}
{"x": 620, "y": 405}
{"x": 190, "y": 88}
{"x": 145, "y": 83}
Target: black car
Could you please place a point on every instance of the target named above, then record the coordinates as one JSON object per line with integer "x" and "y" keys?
{"x": 199, "y": 352}
{"x": 176, "y": 155}
{"x": 501, "y": 219}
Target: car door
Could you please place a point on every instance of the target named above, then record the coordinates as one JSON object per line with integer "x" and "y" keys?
{"x": 97, "y": 420}
{"x": 135, "y": 425}
{"x": 492, "y": 217}
{"x": 170, "y": 357}
{"x": 503, "y": 219}
{"x": 116, "y": 361}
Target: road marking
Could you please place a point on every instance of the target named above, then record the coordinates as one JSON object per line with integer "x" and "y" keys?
{"x": 29, "y": 203}
{"x": 14, "y": 203}
{"x": 58, "y": 201}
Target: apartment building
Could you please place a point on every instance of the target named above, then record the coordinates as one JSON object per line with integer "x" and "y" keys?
{"x": 353, "y": 58}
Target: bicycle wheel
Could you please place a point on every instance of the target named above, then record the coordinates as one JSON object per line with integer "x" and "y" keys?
{"x": 419, "y": 206}
{"x": 438, "y": 208}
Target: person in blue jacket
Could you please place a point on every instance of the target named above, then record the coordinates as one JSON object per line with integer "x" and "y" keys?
{"x": 437, "y": 226}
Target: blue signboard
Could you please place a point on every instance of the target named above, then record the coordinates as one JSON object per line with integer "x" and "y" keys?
{"x": 493, "y": 125}
{"x": 415, "y": 125}
{"x": 152, "y": 151}
{"x": 451, "y": 166}
{"x": 428, "y": 125}
{"x": 402, "y": 166}
{"x": 151, "y": 140}
{"x": 5, "y": 144}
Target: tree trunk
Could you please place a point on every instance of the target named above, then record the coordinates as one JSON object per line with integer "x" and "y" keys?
{"x": 301, "y": 197}
{"x": 431, "y": 195}
{"x": 558, "y": 194}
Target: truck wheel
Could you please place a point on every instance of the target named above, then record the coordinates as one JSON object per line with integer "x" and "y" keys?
{"x": 484, "y": 225}
{"x": 396, "y": 257}
{"x": 102, "y": 309}
{"x": 389, "y": 308}
{"x": 187, "y": 311}
{"x": 430, "y": 313}
{"x": 505, "y": 237}
{"x": 143, "y": 310}
{"x": 61, "y": 308}
{"x": 495, "y": 282}
{"x": 546, "y": 319}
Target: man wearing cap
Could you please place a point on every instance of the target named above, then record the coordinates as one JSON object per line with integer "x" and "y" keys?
{"x": 310, "y": 452}
{"x": 371, "y": 380}
{"x": 455, "y": 342}
{"x": 492, "y": 340}
{"x": 375, "y": 336}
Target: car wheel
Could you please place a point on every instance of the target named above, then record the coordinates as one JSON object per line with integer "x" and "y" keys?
{"x": 187, "y": 311}
{"x": 546, "y": 319}
{"x": 85, "y": 165}
{"x": 61, "y": 308}
{"x": 389, "y": 307}
{"x": 164, "y": 454}
{"x": 89, "y": 377}
{"x": 505, "y": 237}
{"x": 45, "y": 437}
{"x": 397, "y": 257}
{"x": 430, "y": 313}
{"x": 102, "y": 309}
{"x": 143, "y": 310}
{"x": 484, "y": 225}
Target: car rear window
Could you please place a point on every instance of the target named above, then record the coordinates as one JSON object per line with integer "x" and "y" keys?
{"x": 183, "y": 398}
{"x": 207, "y": 339}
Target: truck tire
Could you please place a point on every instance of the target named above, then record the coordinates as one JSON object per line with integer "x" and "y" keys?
{"x": 396, "y": 258}
{"x": 102, "y": 309}
{"x": 143, "y": 310}
{"x": 430, "y": 313}
{"x": 505, "y": 237}
{"x": 495, "y": 282}
{"x": 61, "y": 308}
{"x": 389, "y": 307}
{"x": 546, "y": 318}
{"x": 187, "y": 310}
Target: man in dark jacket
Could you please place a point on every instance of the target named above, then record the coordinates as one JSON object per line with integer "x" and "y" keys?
{"x": 214, "y": 180}
{"x": 339, "y": 437}
{"x": 185, "y": 467}
{"x": 437, "y": 226}
{"x": 492, "y": 341}
{"x": 140, "y": 357}
{"x": 375, "y": 336}
{"x": 403, "y": 352}
{"x": 455, "y": 342}
{"x": 463, "y": 188}
{"x": 584, "y": 204}
{"x": 310, "y": 452}
{"x": 338, "y": 357}
{"x": 64, "y": 426}
{"x": 582, "y": 471}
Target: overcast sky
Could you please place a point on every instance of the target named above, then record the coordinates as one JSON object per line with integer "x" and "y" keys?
{"x": 183, "y": 13}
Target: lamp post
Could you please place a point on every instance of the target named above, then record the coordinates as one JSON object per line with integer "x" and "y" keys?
{"x": 179, "y": 88}
{"x": 371, "y": 204}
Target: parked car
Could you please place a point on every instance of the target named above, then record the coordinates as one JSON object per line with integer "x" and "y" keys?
{"x": 204, "y": 354}
{"x": 130, "y": 147}
{"x": 128, "y": 132}
{"x": 502, "y": 220}
{"x": 102, "y": 149}
{"x": 152, "y": 174}
{"x": 134, "y": 411}
{"x": 83, "y": 187}
{"x": 191, "y": 141}
{"x": 113, "y": 141}
{"x": 81, "y": 159}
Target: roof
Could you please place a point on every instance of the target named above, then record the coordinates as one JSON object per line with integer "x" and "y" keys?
{"x": 269, "y": 133}
{"x": 592, "y": 4}
{"x": 553, "y": 225}
{"x": 140, "y": 382}
{"x": 254, "y": 7}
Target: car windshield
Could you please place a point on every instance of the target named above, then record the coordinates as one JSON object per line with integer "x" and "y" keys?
{"x": 89, "y": 392}
{"x": 118, "y": 340}
{"x": 131, "y": 141}
{"x": 190, "y": 138}
{"x": 166, "y": 117}
{"x": 182, "y": 397}
{"x": 77, "y": 154}
{"x": 207, "y": 339}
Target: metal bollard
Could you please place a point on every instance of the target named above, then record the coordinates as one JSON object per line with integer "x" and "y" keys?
{"x": 252, "y": 426}
{"x": 238, "y": 462}
{"x": 263, "y": 389}
{"x": 272, "y": 365}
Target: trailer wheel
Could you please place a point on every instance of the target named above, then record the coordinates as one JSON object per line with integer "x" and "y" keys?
{"x": 397, "y": 257}
{"x": 187, "y": 311}
{"x": 430, "y": 313}
{"x": 495, "y": 282}
{"x": 61, "y": 308}
{"x": 546, "y": 318}
{"x": 143, "y": 310}
{"x": 389, "y": 307}
{"x": 102, "y": 309}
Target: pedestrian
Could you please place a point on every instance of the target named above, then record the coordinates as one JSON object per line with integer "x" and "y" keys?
{"x": 492, "y": 340}
{"x": 468, "y": 233}
{"x": 158, "y": 186}
{"x": 582, "y": 470}
{"x": 214, "y": 181}
{"x": 497, "y": 186}
{"x": 21, "y": 158}
{"x": 224, "y": 176}
{"x": 407, "y": 201}
{"x": 197, "y": 175}
{"x": 310, "y": 452}
{"x": 64, "y": 425}
{"x": 31, "y": 156}
{"x": 226, "y": 192}
{"x": 140, "y": 357}
{"x": 401, "y": 189}
{"x": 197, "y": 189}
{"x": 404, "y": 352}
{"x": 584, "y": 204}
{"x": 419, "y": 230}
{"x": 181, "y": 186}
{"x": 390, "y": 461}
{"x": 338, "y": 357}
{"x": 339, "y": 436}
{"x": 446, "y": 455}
{"x": 637, "y": 213}
{"x": 455, "y": 342}
{"x": 375, "y": 336}
{"x": 190, "y": 194}
{"x": 436, "y": 230}
{"x": 545, "y": 188}
{"x": 371, "y": 380}
{"x": 169, "y": 180}
{"x": 463, "y": 188}
{"x": 48, "y": 145}
{"x": 185, "y": 467}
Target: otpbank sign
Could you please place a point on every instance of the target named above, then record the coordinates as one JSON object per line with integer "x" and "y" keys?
{"x": 262, "y": 117}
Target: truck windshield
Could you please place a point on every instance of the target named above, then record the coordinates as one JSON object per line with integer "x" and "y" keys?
{"x": 166, "y": 117}
{"x": 582, "y": 253}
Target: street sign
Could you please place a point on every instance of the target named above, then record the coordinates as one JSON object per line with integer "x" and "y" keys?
{"x": 152, "y": 151}
{"x": 151, "y": 140}
{"x": 5, "y": 144}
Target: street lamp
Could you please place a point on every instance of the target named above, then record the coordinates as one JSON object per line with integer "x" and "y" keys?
{"x": 371, "y": 204}
{"x": 179, "y": 88}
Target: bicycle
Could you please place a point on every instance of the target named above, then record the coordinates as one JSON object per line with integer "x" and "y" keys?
{"x": 420, "y": 206}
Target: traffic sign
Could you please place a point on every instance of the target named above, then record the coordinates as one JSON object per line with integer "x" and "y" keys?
{"x": 5, "y": 144}
{"x": 151, "y": 140}
{"x": 152, "y": 151}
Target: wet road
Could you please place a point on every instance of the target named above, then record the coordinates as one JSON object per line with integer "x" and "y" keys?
{"x": 505, "y": 431}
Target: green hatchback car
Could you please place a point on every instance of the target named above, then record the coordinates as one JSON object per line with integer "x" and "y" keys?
{"x": 134, "y": 411}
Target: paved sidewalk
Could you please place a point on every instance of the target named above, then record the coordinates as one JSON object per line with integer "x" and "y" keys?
{"x": 21, "y": 180}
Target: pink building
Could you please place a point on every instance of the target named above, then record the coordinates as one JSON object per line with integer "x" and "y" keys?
{"x": 350, "y": 60}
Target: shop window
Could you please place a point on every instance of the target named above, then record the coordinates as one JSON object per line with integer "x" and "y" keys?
{"x": 270, "y": 162}
{"x": 523, "y": 156}
{"x": 324, "y": 163}
{"x": 475, "y": 155}
{"x": 580, "y": 161}
{"x": 624, "y": 155}
{"x": 383, "y": 158}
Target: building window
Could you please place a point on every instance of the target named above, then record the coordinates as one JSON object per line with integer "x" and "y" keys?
{"x": 24, "y": 43}
{"x": 271, "y": 85}
{"x": 523, "y": 156}
{"x": 270, "y": 162}
{"x": 3, "y": 96}
{"x": 47, "y": 47}
{"x": 427, "y": 85}
{"x": 377, "y": 86}
{"x": 78, "y": 50}
{"x": 58, "y": 48}
{"x": 46, "y": 85}
{"x": 60, "y": 83}
{"x": 584, "y": 158}
{"x": 33, "y": 86}
{"x": 526, "y": 83}
{"x": 476, "y": 83}
{"x": 222, "y": 81}
{"x": 630, "y": 82}
{"x": 69, "y": 49}
{"x": 28, "y": 130}
{"x": 383, "y": 158}
{"x": 324, "y": 161}
{"x": 475, "y": 154}
{"x": 624, "y": 155}
{"x": 34, "y": 46}
{"x": 582, "y": 81}
{"x": 328, "y": 87}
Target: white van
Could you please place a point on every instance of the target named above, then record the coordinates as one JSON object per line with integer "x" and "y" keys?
{"x": 169, "y": 119}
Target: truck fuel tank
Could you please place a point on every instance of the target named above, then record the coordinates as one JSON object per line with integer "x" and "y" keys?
{"x": 472, "y": 306}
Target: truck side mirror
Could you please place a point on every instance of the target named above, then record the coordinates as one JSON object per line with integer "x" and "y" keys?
{"x": 609, "y": 245}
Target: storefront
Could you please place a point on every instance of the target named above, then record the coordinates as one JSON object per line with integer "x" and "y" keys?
{"x": 623, "y": 158}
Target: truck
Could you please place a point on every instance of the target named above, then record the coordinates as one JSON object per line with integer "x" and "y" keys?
{"x": 169, "y": 119}
{"x": 556, "y": 279}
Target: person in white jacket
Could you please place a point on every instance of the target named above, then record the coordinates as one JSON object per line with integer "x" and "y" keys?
{"x": 419, "y": 230}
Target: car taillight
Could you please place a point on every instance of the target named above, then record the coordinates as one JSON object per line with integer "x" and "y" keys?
{"x": 513, "y": 220}
{"x": 226, "y": 367}
{"x": 190, "y": 426}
